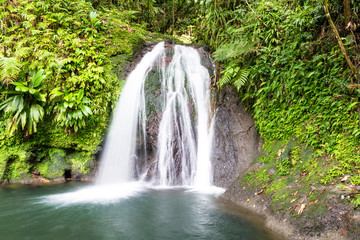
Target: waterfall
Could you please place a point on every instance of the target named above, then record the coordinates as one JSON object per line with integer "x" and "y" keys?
{"x": 182, "y": 155}
{"x": 119, "y": 151}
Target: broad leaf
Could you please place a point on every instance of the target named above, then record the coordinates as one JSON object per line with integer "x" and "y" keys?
{"x": 38, "y": 78}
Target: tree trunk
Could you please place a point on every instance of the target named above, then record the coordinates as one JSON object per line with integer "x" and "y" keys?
{"x": 148, "y": 15}
{"x": 164, "y": 16}
{"x": 343, "y": 50}
{"x": 173, "y": 17}
{"x": 347, "y": 13}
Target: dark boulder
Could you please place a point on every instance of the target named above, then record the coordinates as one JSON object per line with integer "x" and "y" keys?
{"x": 236, "y": 142}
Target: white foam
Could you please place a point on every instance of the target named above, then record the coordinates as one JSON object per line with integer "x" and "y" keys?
{"x": 96, "y": 194}
{"x": 208, "y": 190}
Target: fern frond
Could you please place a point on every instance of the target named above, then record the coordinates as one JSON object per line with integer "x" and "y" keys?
{"x": 241, "y": 78}
{"x": 235, "y": 49}
{"x": 234, "y": 75}
{"x": 9, "y": 69}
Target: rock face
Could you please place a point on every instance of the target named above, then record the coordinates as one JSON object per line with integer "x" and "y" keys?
{"x": 236, "y": 142}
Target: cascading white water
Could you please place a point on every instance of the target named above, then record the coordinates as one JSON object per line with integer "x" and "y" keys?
{"x": 183, "y": 154}
{"x": 119, "y": 151}
{"x": 183, "y": 159}
{"x": 184, "y": 140}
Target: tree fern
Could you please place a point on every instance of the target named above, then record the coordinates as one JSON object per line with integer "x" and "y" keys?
{"x": 9, "y": 69}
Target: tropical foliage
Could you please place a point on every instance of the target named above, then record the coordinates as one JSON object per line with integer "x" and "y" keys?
{"x": 290, "y": 71}
{"x": 57, "y": 75}
{"x": 24, "y": 104}
{"x": 71, "y": 43}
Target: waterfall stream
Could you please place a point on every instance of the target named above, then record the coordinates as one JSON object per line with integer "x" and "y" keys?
{"x": 119, "y": 151}
{"x": 159, "y": 135}
{"x": 183, "y": 151}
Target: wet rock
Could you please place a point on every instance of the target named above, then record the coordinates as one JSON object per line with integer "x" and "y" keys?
{"x": 237, "y": 142}
{"x": 152, "y": 129}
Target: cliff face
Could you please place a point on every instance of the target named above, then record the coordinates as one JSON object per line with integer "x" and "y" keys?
{"x": 236, "y": 142}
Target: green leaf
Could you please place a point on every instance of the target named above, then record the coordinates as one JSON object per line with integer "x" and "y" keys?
{"x": 36, "y": 112}
{"x": 23, "y": 89}
{"x": 55, "y": 93}
{"x": 33, "y": 91}
{"x": 17, "y": 103}
{"x": 80, "y": 95}
{"x": 6, "y": 103}
{"x": 38, "y": 78}
{"x": 93, "y": 16}
{"x": 352, "y": 105}
{"x": 23, "y": 120}
{"x": 86, "y": 110}
{"x": 40, "y": 96}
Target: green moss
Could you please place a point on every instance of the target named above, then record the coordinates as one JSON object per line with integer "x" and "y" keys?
{"x": 81, "y": 162}
{"x": 3, "y": 161}
{"x": 288, "y": 171}
{"x": 14, "y": 163}
{"x": 19, "y": 170}
{"x": 54, "y": 165}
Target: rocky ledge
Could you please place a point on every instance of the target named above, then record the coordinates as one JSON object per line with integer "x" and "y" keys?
{"x": 321, "y": 212}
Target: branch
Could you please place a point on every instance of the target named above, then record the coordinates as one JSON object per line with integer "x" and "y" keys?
{"x": 343, "y": 50}
{"x": 253, "y": 10}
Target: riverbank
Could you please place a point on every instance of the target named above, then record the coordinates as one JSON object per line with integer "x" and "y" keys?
{"x": 330, "y": 217}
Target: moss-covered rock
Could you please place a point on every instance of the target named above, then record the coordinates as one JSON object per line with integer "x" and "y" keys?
{"x": 19, "y": 170}
{"x": 3, "y": 160}
{"x": 14, "y": 163}
{"x": 81, "y": 164}
{"x": 54, "y": 165}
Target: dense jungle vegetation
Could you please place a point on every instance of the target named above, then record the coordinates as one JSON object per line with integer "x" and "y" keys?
{"x": 294, "y": 64}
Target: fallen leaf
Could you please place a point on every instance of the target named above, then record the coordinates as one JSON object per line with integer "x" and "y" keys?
{"x": 346, "y": 177}
{"x": 248, "y": 200}
{"x": 301, "y": 209}
{"x": 330, "y": 208}
{"x": 260, "y": 192}
{"x": 293, "y": 200}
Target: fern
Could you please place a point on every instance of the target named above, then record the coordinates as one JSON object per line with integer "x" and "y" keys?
{"x": 234, "y": 75}
{"x": 234, "y": 49}
{"x": 9, "y": 69}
